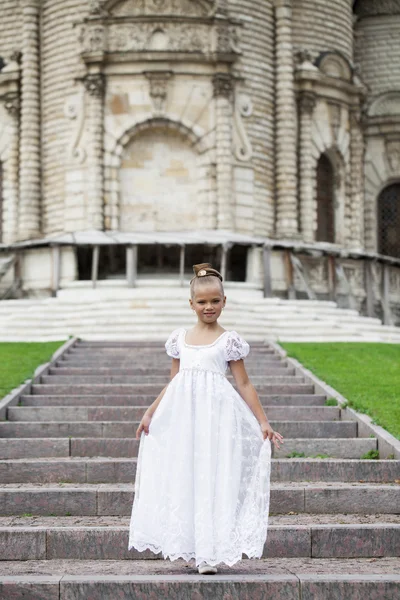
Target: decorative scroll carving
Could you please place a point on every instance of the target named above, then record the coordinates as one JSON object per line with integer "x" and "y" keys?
{"x": 193, "y": 8}
{"x": 95, "y": 84}
{"x": 92, "y": 38}
{"x": 242, "y": 145}
{"x": 138, "y": 37}
{"x": 74, "y": 109}
{"x": 12, "y": 103}
{"x": 387, "y": 104}
{"x": 223, "y": 85}
{"x": 307, "y": 102}
{"x": 393, "y": 155}
{"x": 158, "y": 88}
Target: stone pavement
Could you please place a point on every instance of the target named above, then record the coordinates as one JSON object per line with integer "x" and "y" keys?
{"x": 67, "y": 470}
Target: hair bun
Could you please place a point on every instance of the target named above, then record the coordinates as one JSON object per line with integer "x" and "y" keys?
{"x": 203, "y": 269}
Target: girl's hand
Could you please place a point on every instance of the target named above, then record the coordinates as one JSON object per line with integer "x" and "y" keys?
{"x": 272, "y": 435}
{"x": 143, "y": 425}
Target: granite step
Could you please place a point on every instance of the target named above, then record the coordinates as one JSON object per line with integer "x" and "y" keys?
{"x": 124, "y": 429}
{"x": 128, "y": 447}
{"x": 156, "y": 382}
{"x": 300, "y": 400}
{"x": 122, "y": 470}
{"x": 264, "y": 579}
{"x": 124, "y": 389}
{"x": 161, "y": 361}
{"x": 135, "y": 413}
{"x": 116, "y": 499}
{"x": 101, "y": 540}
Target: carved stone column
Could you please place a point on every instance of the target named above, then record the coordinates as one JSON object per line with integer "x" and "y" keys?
{"x": 223, "y": 93}
{"x": 306, "y": 172}
{"x": 11, "y": 168}
{"x": 29, "y": 219}
{"x": 357, "y": 179}
{"x": 285, "y": 143}
{"x": 95, "y": 84}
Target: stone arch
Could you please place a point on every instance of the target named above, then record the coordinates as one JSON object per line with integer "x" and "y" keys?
{"x": 388, "y": 220}
{"x": 191, "y": 164}
{"x": 335, "y": 64}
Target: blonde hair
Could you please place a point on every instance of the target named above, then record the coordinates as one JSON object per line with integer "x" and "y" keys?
{"x": 204, "y": 273}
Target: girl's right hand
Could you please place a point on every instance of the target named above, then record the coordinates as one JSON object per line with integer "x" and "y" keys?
{"x": 143, "y": 425}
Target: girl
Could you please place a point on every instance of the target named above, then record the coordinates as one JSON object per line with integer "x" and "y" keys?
{"x": 203, "y": 470}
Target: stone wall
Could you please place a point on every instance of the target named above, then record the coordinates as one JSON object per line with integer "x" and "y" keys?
{"x": 10, "y": 27}
{"x": 323, "y": 26}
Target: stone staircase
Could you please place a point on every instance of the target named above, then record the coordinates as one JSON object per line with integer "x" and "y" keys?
{"x": 67, "y": 470}
{"x": 143, "y": 313}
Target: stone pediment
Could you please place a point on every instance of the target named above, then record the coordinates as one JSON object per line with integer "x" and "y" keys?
{"x": 136, "y": 8}
{"x": 334, "y": 64}
{"x": 385, "y": 105}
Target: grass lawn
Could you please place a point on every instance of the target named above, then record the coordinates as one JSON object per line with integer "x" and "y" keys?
{"x": 18, "y": 361}
{"x": 368, "y": 375}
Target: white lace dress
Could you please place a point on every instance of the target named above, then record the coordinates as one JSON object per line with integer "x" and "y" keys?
{"x": 203, "y": 472}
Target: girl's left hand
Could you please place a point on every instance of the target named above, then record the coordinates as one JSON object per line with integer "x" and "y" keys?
{"x": 272, "y": 435}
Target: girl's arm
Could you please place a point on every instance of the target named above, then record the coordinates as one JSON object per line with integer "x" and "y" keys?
{"x": 250, "y": 396}
{"x": 145, "y": 422}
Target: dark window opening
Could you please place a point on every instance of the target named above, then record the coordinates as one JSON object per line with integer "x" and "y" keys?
{"x": 325, "y": 201}
{"x": 389, "y": 221}
{"x": 1, "y": 202}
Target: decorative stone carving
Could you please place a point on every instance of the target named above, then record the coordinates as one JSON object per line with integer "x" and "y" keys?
{"x": 12, "y": 103}
{"x": 138, "y": 37}
{"x": 303, "y": 56}
{"x": 92, "y": 38}
{"x": 334, "y": 65}
{"x": 385, "y": 105}
{"x": 307, "y": 102}
{"x": 393, "y": 155}
{"x": 223, "y": 85}
{"x": 242, "y": 145}
{"x": 74, "y": 109}
{"x": 95, "y": 84}
{"x": 158, "y": 82}
{"x": 193, "y": 8}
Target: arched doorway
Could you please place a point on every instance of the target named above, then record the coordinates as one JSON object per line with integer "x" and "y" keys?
{"x": 389, "y": 221}
{"x": 158, "y": 183}
{"x": 325, "y": 201}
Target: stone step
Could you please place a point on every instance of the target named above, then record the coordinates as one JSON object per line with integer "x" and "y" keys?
{"x": 128, "y": 447}
{"x": 156, "y": 373}
{"x": 332, "y": 448}
{"x": 300, "y": 400}
{"x": 135, "y": 413}
{"x": 143, "y": 380}
{"x": 266, "y": 579}
{"x": 116, "y": 499}
{"x": 122, "y": 470}
{"x": 143, "y": 352}
{"x": 309, "y": 430}
{"x": 101, "y": 541}
{"x": 124, "y": 389}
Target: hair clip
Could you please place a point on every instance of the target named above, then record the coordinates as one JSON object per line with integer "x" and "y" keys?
{"x": 201, "y": 273}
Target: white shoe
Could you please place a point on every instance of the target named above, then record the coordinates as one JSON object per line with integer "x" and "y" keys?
{"x": 206, "y": 569}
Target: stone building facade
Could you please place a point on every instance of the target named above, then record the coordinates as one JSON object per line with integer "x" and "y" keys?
{"x": 271, "y": 118}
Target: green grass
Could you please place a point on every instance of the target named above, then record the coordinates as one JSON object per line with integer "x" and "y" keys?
{"x": 18, "y": 361}
{"x": 367, "y": 374}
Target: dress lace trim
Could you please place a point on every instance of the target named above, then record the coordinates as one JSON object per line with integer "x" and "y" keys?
{"x": 236, "y": 347}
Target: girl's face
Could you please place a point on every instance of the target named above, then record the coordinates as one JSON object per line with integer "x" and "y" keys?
{"x": 208, "y": 302}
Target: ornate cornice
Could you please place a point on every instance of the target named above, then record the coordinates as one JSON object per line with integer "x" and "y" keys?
{"x": 372, "y": 8}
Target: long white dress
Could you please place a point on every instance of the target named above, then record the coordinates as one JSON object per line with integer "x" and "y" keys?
{"x": 203, "y": 472}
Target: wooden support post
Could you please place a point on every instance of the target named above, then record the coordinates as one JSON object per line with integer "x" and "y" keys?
{"x": 182, "y": 266}
{"x": 332, "y": 278}
{"x": 289, "y": 275}
{"x": 369, "y": 288}
{"x": 95, "y": 264}
{"x": 387, "y": 317}
{"x": 56, "y": 270}
{"x": 267, "y": 272}
{"x": 131, "y": 265}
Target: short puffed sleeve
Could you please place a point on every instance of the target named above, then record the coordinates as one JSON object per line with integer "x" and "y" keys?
{"x": 172, "y": 344}
{"x": 235, "y": 347}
